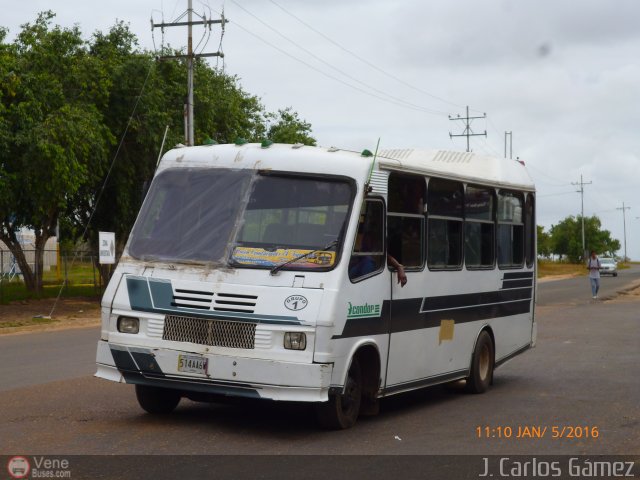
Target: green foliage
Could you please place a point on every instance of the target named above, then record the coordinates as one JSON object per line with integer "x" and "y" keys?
{"x": 289, "y": 128}
{"x": 66, "y": 109}
{"x": 566, "y": 238}
{"x": 544, "y": 242}
{"x": 54, "y": 136}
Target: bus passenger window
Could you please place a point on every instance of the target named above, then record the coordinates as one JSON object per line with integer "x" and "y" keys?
{"x": 405, "y": 228}
{"x": 368, "y": 252}
{"x": 479, "y": 227}
{"x": 530, "y": 230}
{"x": 510, "y": 229}
{"x": 445, "y": 207}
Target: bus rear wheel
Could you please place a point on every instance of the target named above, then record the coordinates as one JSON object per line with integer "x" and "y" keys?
{"x": 157, "y": 400}
{"x": 342, "y": 410}
{"x": 482, "y": 364}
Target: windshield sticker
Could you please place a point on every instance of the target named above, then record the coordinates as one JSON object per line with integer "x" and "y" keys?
{"x": 266, "y": 258}
{"x": 363, "y": 311}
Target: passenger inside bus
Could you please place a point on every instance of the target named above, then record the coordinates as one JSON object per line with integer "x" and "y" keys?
{"x": 368, "y": 252}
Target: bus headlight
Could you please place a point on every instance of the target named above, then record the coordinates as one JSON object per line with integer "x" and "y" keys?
{"x": 128, "y": 325}
{"x": 295, "y": 340}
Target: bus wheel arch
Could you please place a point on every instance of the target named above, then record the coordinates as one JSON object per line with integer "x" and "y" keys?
{"x": 369, "y": 360}
{"x": 359, "y": 395}
{"x": 482, "y": 362}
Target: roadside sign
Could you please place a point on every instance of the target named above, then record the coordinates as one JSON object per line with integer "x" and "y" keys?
{"x": 107, "y": 247}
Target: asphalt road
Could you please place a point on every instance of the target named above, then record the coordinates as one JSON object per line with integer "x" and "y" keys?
{"x": 36, "y": 358}
{"x": 576, "y": 291}
{"x": 583, "y": 373}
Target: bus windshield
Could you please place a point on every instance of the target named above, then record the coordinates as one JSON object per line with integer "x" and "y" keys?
{"x": 242, "y": 218}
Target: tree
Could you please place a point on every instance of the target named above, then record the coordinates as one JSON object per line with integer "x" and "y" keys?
{"x": 566, "y": 238}
{"x": 289, "y": 128}
{"x": 544, "y": 242}
{"x": 157, "y": 89}
{"x": 74, "y": 148}
{"x": 56, "y": 138}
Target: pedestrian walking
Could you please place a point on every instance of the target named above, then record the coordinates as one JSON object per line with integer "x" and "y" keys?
{"x": 594, "y": 273}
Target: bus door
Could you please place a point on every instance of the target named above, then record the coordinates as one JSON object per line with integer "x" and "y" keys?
{"x": 408, "y": 345}
{"x": 367, "y": 294}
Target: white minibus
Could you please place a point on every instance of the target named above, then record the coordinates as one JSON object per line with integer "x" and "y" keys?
{"x": 297, "y": 273}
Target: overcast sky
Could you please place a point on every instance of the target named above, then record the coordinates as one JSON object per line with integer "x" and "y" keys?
{"x": 563, "y": 76}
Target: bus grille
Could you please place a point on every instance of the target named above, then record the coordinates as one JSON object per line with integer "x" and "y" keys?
{"x": 217, "y": 333}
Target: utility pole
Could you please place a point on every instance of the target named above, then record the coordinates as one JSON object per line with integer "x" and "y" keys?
{"x": 624, "y": 224}
{"x": 190, "y": 57}
{"x": 467, "y": 132}
{"x": 510, "y": 144}
{"x": 581, "y": 184}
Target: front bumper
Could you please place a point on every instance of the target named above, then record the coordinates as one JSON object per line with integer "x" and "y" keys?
{"x": 226, "y": 375}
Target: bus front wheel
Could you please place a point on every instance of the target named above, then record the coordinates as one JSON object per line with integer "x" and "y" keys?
{"x": 157, "y": 400}
{"x": 341, "y": 411}
{"x": 482, "y": 363}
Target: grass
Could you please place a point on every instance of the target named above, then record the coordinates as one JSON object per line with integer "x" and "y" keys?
{"x": 78, "y": 273}
{"x": 81, "y": 282}
{"x": 547, "y": 268}
{"x": 27, "y": 322}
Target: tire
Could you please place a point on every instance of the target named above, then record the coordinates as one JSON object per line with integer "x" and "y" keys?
{"x": 615, "y": 274}
{"x": 341, "y": 411}
{"x": 157, "y": 400}
{"x": 482, "y": 364}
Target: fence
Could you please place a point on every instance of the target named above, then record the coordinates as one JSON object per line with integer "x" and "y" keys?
{"x": 77, "y": 270}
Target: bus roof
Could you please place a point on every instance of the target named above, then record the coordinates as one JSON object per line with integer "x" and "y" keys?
{"x": 279, "y": 157}
{"x": 464, "y": 166}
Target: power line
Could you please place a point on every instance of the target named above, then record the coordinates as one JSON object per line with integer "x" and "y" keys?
{"x": 532, "y": 167}
{"x": 363, "y": 60}
{"x": 333, "y": 67}
{"x": 555, "y": 194}
{"x": 332, "y": 77}
{"x": 190, "y": 57}
{"x": 104, "y": 183}
{"x": 492, "y": 150}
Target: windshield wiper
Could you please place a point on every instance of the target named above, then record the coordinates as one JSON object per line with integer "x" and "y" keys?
{"x": 277, "y": 268}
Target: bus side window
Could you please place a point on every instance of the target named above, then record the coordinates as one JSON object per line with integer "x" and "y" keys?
{"x": 405, "y": 229}
{"x": 445, "y": 201}
{"x": 479, "y": 227}
{"x": 510, "y": 229}
{"x": 367, "y": 258}
{"x": 530, "y": 230}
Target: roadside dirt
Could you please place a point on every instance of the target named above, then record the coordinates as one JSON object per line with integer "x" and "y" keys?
{"x": 551, "y": 278}
{"x": 630, "y": 294}
{"x": 31, "y": 315}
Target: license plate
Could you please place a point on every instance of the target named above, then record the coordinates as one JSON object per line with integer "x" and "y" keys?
{"x": 192, "y": 364}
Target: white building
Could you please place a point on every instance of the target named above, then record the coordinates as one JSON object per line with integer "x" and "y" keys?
{"x": 27, "y": 239}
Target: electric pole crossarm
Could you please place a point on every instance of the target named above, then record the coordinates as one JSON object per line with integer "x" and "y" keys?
{"x": 467, "y": 130}
{"x": 197, "y": 55}
{"x": 190, "y": 56}
{"x": 466, "y": 118}
{"x": 186, "y": 24}
{"x": 468, "y": 134}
